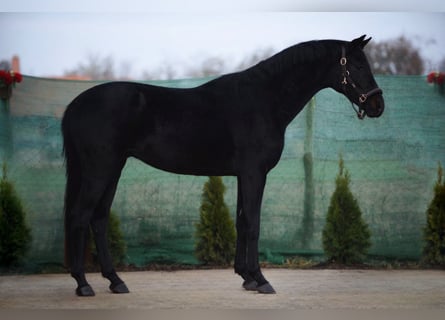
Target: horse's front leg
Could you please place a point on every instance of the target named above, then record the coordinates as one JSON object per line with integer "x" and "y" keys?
{"x": 250, "y": 190}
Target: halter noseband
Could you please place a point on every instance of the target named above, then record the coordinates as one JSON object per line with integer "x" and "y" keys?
{"x": 362, "y": 97}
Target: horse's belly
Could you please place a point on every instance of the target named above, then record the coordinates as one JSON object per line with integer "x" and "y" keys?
{"x": 182, "y": 159}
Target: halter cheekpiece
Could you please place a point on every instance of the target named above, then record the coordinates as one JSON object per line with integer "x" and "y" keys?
{"x": 362, "y": 97}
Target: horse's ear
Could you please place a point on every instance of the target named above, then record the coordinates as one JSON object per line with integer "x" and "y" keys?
{"x": 360, "y": 42}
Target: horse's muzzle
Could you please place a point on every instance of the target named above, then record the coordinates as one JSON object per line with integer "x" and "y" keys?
{"x": 375, "y": 105}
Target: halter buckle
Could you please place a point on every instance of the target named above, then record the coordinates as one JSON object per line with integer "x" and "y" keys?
{"x": 343, "y": 61}
{"x": 362, "y": 98}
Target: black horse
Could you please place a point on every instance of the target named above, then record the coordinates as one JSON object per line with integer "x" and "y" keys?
{"x": 230, "y": 126}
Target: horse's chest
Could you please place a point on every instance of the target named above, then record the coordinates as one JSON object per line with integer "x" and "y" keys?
{"x": 260, "y": 148}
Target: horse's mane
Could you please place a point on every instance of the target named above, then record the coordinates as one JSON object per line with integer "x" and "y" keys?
{"x": 301, "y": 55}
{"x": 304, "y": 53}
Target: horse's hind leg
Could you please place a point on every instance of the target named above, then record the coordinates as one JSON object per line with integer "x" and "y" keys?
{"x": 241, "y": 244}
{"x": 99, "y": 224}
{"x": 78, "y": 221}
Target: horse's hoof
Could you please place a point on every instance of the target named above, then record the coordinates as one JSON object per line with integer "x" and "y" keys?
{"x": 85, "y": 291}
{"x": 119, "y": 288}
{"x": 250, "y": 285}
{"x": 266, "y": 289}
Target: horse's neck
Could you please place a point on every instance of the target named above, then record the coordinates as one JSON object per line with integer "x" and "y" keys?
{"x": 297, "y": 98}
{"x": 294, "y": 90}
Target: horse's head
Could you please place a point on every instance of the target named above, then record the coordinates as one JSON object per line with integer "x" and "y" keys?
{"x": 354, "y": 79}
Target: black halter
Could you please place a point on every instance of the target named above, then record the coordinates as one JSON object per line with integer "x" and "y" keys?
{"x": 362, "y": 97}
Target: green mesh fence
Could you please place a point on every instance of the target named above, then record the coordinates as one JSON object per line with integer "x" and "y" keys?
{"x": 392, "y": 161}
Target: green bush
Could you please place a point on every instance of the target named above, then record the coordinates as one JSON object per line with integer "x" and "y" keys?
{"x": 346, "y": 237}
{"x": 434, "y": 231}
{"x": 215, "y": 232}
{"x": 15, "y": 235}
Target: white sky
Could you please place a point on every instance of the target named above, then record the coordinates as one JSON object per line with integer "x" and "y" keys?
{"x": 53, "y": 37}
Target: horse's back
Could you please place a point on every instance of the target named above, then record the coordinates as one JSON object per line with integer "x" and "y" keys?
{"x": 178, "y": 130}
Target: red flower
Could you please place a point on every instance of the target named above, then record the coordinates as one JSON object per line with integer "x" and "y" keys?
{"x": 7, "y": 78}
{"x": 10, "y": 77}
{"x": 18, "y": 77}
{"x": 430, "y": 78}
{"x": 440, "y": 79}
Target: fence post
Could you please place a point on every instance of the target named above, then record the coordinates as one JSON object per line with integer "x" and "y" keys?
{"x": 309, "y": 189}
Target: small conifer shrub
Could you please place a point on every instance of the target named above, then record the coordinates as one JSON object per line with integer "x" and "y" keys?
{"x": 346, "y": 237}
{"x": 215, "y": 232}
{"x": 434, "y": 231}
{"x": 15, "y": 235}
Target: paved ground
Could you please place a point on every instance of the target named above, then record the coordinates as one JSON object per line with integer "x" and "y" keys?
{"x": 221, "y": 289}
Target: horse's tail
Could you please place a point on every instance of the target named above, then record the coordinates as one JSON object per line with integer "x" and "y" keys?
{"x": 73, "y": 179}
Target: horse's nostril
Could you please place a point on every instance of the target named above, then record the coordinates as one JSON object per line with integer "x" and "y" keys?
{"x": 380, "y": 108}
{"x": 379, "y": 105}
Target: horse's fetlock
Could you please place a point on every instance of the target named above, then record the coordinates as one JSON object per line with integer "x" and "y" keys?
{"x": 258, "y": 277}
